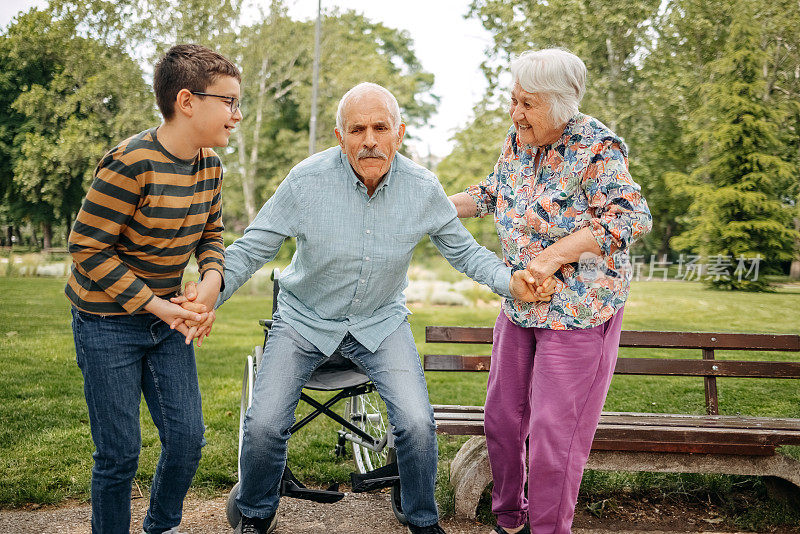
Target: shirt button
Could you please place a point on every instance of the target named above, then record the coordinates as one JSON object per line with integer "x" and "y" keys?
{"x": 369, "y": 231}
{"x": 362, "y": 280}
{"x": 366, "y": 258}
{"x": 357, "y": 300}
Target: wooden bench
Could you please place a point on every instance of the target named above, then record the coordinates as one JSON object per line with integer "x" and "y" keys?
{"x": 656, "y": 442}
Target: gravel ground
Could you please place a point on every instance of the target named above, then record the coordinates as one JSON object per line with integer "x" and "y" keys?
{"x": 355, "y": 514}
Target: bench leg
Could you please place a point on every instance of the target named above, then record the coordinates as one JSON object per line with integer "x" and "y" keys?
{"x": 470, "y": 474}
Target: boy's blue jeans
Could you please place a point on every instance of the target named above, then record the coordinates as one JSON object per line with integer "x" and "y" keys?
{"x": 286, "y": 366}
{"x": 123, "y": 357}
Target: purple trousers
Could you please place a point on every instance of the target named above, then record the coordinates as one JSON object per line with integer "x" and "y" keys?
{"x": 549, "y": 386}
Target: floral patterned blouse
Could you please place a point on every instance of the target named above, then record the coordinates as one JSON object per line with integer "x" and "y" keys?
{"x": 582, "y": 180}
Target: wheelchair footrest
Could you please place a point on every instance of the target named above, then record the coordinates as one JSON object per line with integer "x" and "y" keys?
{"x": 291, "y": 487}
{"x": 382, "y": 477}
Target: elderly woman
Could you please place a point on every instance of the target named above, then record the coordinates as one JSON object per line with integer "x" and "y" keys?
{"x": 565, "y": 207}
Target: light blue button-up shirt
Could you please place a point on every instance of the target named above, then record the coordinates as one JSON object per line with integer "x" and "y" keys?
{"x": 349, "y": 271}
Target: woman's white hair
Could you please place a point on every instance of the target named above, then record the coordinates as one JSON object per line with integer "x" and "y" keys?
{"x": 558, "y": 75}
{"x": 359, "y": 90}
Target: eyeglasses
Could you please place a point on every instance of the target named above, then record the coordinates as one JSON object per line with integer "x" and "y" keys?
{"x": 230, "y": 100}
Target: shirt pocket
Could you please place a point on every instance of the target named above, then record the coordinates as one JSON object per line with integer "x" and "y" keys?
{"x": 407, "y": 238}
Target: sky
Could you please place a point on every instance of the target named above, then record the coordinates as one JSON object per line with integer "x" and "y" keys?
{"x": 446, "y": 44}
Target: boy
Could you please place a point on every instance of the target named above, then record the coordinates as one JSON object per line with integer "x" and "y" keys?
{"x": 154, "y": 201}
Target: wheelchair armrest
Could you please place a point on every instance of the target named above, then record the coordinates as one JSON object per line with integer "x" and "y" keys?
{"x": 266, "y": 323}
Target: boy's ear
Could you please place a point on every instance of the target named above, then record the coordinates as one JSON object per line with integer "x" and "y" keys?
{"x": 183, "y": 103}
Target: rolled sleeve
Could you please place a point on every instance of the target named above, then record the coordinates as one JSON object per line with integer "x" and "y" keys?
{"x": 485, "y": 195}
{"x": 619, "y": 211}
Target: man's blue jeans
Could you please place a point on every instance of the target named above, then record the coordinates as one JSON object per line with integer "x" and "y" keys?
{"x": 287, "y": 364}
{"x": 123, "y": 357}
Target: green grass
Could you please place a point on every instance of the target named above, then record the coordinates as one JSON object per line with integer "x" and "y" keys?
{"x": 45, "y": 447}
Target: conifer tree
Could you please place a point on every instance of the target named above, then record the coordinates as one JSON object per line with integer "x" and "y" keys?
{"x": 739, "y": 208}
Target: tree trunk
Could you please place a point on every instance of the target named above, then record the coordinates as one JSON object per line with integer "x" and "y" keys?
{"x": 615, "y": 70}
{"x": 47, "y": 236}
{"x": 68, "y": 221}
{"x": 664, "y": 248}
{"x": 9, "y": 236}
{"x": 794, "y": 270}
{"x": 249, "y": 169}
{"x": 18, "y": 235}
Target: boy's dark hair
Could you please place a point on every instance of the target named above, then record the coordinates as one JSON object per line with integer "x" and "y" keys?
{"x": 188, "y": 66}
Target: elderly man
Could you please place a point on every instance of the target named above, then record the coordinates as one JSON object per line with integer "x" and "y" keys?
{"x": 357, "y": 211}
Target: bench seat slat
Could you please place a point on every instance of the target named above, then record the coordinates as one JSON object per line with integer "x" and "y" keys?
{"x": 643, "y": 339}
{"x": 695, "y": 448}
{"x": 662, "y": 428}
{"x": 475, "y": 413}
{"x": 663, "y": 435}
{"x": 643, "y": 366}
{"x": 475, "y": 428}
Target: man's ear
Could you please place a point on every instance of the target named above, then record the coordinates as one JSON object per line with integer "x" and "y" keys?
{"x": 401, "y": 132}
{"x": 183, "y": 102}
{"x": 339, "y": 137}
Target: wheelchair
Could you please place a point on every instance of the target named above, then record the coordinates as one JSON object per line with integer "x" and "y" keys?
{"x": 364, "y": 429}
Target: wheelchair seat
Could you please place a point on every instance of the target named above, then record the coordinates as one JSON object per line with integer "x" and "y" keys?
{"x": 336, "y": 372}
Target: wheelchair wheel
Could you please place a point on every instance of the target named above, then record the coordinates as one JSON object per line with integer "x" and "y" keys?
{"x": 231, "y": 510}
{"x": 365, "y": 412}
{"x": 235, "y": 516}
{"x": 250, "y": 369}
{"x": 397, "y": 505}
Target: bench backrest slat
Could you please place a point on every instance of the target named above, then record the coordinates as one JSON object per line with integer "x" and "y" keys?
{"x": 643, "y": 366}
{"x": 707, "y": 342}
{"x": 642, "y": 339}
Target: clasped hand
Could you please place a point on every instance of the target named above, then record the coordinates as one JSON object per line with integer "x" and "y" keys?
{"x": 199, "y": 298}
{"x": 536, "y": 282}
{"x": 524, "y": 287}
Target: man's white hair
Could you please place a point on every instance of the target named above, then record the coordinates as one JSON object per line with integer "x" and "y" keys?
{"x": 559, "y": 76}
{"x": 361, "y": 89}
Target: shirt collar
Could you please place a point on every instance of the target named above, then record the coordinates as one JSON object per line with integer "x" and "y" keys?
{"x": 348, "y": 169}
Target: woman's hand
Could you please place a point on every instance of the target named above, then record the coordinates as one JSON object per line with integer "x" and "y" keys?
{"x": 523, "y": 287}
{"x": 543, "y": 267}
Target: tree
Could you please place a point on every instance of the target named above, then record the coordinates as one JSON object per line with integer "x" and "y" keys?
{"x": 74, "y": 98}
{"x": 737, "y": 208}
{"x": 276, "y": 91}
{"x": 474, "y": 155}
{"x": 607, "y": 36}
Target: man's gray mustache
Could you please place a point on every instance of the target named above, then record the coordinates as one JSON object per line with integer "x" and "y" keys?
{"x": 371, "y": 153}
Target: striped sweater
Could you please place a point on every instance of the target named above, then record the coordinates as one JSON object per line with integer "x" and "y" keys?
{"x": 144, "y": 215}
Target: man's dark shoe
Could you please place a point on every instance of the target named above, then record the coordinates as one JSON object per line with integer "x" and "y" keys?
{"x": 433, "y": 529}
{"x": 257, "y": 525}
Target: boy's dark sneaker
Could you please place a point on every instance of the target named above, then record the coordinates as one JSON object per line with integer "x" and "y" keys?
{"x": 433, "y": 529}
{"x": 257, "y": 525}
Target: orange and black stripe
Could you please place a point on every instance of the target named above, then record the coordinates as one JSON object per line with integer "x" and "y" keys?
{"x": 144, "y": 215}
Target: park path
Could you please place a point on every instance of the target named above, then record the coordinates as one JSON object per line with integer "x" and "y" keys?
{"x": 356, "y": 514}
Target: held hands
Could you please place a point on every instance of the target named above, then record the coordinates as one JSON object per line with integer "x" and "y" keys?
{"x": 174, "y": 315}
{"x": 524, "y": 287}
{"x": 199, "y": 298}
